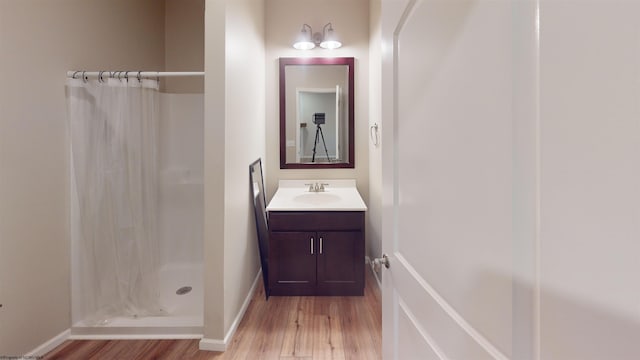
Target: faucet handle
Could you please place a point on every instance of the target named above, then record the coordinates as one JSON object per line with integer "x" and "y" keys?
{"x": 322, "y": 185}
{"x": 311, "y": 189}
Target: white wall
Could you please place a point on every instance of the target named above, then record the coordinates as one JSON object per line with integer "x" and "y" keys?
{"x": 184, "y": 44}
{"x": 234, "y": 138}
{"x": 244, "y": 143}
{"x": 214, "y": 162}
{"x": 350, "y": 20}
{"x": 374, "y": 228}
{"x": 39, "y": 41}
{"x": 589, "y": 176}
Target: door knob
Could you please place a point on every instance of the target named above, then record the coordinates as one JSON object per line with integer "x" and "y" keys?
{"x": 378, "y": 262}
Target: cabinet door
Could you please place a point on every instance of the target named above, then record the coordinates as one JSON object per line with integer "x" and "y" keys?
{"x": 292, "y": 264}
{"x": 340, "y": 263}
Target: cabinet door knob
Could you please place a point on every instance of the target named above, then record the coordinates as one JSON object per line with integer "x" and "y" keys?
{"x": 312, "y": 246}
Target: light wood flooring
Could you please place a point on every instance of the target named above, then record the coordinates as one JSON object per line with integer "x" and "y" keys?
{"x": 281, "y": 328}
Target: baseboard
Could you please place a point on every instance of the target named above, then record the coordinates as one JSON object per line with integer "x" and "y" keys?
{"x": 221, "y": 345}
{"x": 212, "y": 345}
{"x": 135, "y": 336}
{"x": 367, "y": 260}
{"x": 205, "y": 344}
{"x": 49, "y": 345}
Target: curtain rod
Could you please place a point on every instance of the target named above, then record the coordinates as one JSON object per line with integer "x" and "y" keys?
{"x": 133, "y": 74}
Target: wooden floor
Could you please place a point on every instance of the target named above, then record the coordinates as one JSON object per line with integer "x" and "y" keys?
{"x": 281, "y": 328}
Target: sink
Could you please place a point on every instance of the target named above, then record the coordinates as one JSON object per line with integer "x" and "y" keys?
{"x": 319, "y": 198}
{"x": 340, "y": 195}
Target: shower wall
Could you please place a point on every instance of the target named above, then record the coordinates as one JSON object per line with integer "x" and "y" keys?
{"x": 181, "y": 205}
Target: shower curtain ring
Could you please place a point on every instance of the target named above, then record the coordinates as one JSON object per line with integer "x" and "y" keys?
{"x": 100, "y": 78}
{"x": 85, "y": 79}
{"x": 139, "y": 76}
{"x": 74, "y": 74}
{"x": 126, "y": 76}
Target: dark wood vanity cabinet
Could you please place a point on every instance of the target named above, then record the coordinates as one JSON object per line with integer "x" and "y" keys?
{"x": 316, "y": 253}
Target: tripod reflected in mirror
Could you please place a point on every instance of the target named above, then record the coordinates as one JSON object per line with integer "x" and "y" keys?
{"x": 319, "y": 119}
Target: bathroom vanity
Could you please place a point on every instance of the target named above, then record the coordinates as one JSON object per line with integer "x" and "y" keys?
{"x": 316, "y": 238}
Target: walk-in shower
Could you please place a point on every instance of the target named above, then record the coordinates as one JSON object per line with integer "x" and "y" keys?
{"x": 136, "y": 206}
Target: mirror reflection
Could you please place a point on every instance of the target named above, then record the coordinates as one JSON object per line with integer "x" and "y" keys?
{"x": 316, "y": 112}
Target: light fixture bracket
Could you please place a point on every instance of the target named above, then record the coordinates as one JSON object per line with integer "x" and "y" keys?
{"x": 317, "y": 38}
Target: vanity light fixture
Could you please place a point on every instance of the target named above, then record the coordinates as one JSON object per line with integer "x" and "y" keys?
{"x": 329, "y": 39}
{"x": 308, "y": 40}
{"x": 305, "y": 39}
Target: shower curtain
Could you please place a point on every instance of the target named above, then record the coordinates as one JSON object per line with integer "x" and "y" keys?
{"x": 114, "y": 131}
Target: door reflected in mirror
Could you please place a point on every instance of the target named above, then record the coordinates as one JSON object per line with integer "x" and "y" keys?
{"x": 316, "y": 113}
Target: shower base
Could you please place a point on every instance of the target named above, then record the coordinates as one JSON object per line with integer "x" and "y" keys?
{"x": 184, "y": 319}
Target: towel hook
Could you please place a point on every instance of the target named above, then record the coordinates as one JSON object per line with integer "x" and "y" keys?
{"x": 373, "y": 133}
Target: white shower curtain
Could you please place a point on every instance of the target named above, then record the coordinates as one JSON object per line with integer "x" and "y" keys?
{"x": 114, "y": 132}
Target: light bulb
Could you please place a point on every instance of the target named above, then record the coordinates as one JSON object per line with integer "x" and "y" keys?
{"x": 330, "y": 41}
{"x": 304, "y": 39}
{"x": 304, "y": 45}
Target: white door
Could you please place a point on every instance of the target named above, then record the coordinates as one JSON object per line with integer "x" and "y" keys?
{"x": 448, "y": 155}
{"x": 308, "y": 102}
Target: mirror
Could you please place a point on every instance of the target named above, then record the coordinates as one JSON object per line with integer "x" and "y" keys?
{"x": 316, "y": 113}
{"x": 258, "y": 198}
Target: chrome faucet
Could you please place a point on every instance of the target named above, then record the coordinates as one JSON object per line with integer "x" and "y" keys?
{"x": 316, "y": 187}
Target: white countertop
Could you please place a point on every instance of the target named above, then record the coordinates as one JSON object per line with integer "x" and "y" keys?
{"x": 339, "y": 195}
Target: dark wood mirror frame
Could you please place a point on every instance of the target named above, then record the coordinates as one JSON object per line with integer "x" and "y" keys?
{"x": 349, "y": 62}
